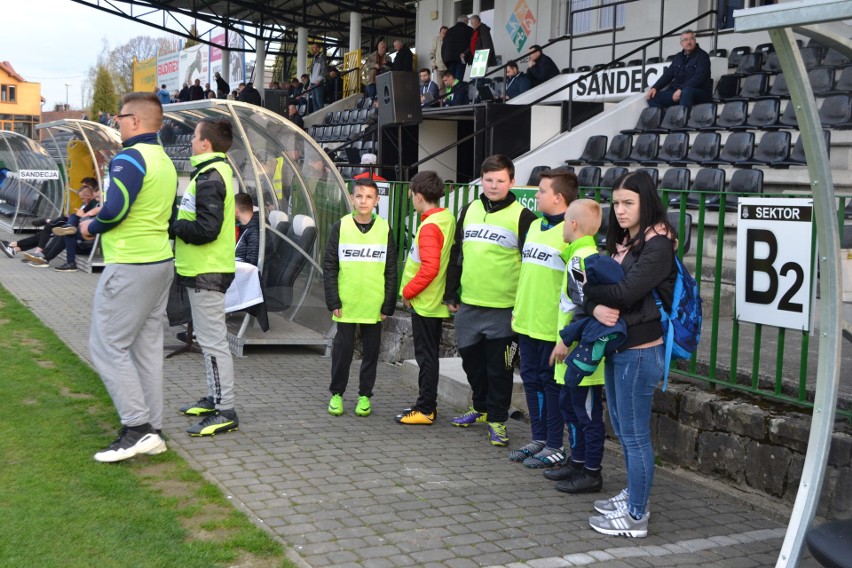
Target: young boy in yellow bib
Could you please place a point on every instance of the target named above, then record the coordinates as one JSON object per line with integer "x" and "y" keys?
{"x": 423, "y": 282}
{"x": 582, "y": 405}
{"x": 534, "y": 320}
{"x": 359, "y": 277}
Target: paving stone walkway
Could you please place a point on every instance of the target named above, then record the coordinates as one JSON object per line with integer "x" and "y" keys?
{"x": 349, "y": 491}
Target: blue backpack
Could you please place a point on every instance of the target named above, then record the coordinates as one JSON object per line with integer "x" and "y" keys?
{"x": 681, "y": 325}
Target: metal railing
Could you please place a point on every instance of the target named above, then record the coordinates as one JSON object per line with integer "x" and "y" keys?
{"x": 765, "y": 361}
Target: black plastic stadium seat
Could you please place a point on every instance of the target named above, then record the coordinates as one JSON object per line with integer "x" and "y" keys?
{"x": 704, "y": 148}
{"x": 811, "y": 56}
{"x": 733, "y": 114}
{"x": 619, "y": 148}
{"x": 645, "y": 149}
{"x": 709, "y": 181}
{"x": 702, "y": 116}
{"x": 674, "y": 148}
{"x": 764, "y": 48}
{"x": 773, "y": 147}
{"x": 834, "y": 58}
{"x": 675, "y": 119}
{"x": 771, "y": 64}
{"x": 797, "y": 156}
{"x": 737, "y": 54}
{"x": 836, "y": 112}
{"x": 653, "y": 60}
{"x": 606, "y": 183}
{"x": 648, "y": 120}
{"x": 535, "y": 173}
{"x": 779, "y": 87}
{"x": 653, "y": 172}
{"x": 593, "y": 152}
{"x": 676, "y": 179}
{"x": 844, "y": 83}
{"x": 738, "y": 147}
{"x": 763, "y": 115}
{"x": 742, "y": 182}
{"x": 753, "y": 86}
{"x": 750, "y": 63}
{"x": 822, "y": 80}
{"x": 589, "y": 177}
{"x": 727, "y": 88}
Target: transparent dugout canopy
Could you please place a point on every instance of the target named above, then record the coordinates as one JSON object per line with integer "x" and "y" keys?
{"x": 31, "y": 184}
{"x": 81, "y": 148}
{"x": 299, "y": 194}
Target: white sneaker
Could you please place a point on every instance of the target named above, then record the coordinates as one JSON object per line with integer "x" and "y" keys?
{"x": 621, "y": 523}
{"x": 605, "y": 506}
{"x": 130, "y": 443}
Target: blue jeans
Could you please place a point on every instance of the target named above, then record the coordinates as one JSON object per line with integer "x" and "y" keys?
{"x": 317, "y": 97}
{"x": 631, "y": 379}
{"x": 688, "y": 97}
{"x": 583, "y": 411}
{"x": 371, "y": 91}
{"x": 541, "y": 390}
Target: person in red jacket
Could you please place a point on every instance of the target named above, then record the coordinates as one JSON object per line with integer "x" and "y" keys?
{"x": 371, "y": 173}
{"x": 423, "y": 283}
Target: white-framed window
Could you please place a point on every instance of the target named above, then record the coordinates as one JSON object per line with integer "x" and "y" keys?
{"x": 591, "y": 21}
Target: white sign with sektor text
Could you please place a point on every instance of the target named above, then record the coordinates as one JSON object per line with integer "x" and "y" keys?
{"x": 774, "y": 262}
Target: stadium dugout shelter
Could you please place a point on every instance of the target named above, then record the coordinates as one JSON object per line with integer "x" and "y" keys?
{"x": 31, "y": 183}
{"x": 81, "y": 149}
{"x": 298, "y": 194}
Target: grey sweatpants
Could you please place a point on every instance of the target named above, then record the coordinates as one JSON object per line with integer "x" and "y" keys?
{"x": 211, "y": 332}
{"x": 126, "y": 339}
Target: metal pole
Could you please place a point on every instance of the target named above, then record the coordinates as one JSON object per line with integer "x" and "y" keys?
{"x": 830, "y": 309}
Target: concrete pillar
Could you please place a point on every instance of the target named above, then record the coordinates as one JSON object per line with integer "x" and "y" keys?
{"x": 354, "y": 30}
{"x": 302, "y": 51}
{"x": 259, "y": 71}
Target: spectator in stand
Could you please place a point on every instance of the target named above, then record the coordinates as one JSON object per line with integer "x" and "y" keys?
{"x": 274, "y": 85}
{"x": 403, "y": 59}
{"x": 240, "y": 88}
{"x": 183, "y": 95}
{"x": 164, "y": 95}
{"x": 232, "y": 96}
{"x": 541, "y": 67}
{"x": 371, "y": 173}
{"x": 480, "y": 39}
{"x": 333, "y": 86}
{"x": 455, "y": 91}
{"x": 376, "y": 64}
{"x": 456, "y": 42}
{"x": 196, "y": 92}
{"x": 428, "y": 87}
{"x": 516, "y": 82}
{"x": 248, "y": 245}
{"x": 222, "y": 87}
{"x": 318, "y": 68}
{"x": 250, "y": 95}
{"x": 686, "y": 81}
{"x": 435, "y": 58}
{"x": 208, "y": 92}
{"x": 293, "y": 114}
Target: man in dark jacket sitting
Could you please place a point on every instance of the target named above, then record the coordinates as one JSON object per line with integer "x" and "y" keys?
{"x": 687, "y": 80}
{"x": 516, "y": 82}
{"x": 541, "y": 67}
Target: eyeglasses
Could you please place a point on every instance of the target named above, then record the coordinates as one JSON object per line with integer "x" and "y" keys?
{"x": 120, "y": 116}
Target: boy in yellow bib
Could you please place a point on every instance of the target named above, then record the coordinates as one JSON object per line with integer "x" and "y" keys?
{"x": 534, "y": 320}
{"x": 423, "y": 282}
{"x": 582, "y": 406}
{"x": 359, "y": 277}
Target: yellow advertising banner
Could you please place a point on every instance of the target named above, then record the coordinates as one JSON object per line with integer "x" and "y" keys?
{"x": 145, "y": 75}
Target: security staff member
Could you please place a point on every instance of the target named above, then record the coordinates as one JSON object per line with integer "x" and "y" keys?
{"x": 126, "y": 338}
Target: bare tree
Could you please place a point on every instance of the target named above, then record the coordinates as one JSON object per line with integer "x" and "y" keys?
{"x": 121, "y": 59}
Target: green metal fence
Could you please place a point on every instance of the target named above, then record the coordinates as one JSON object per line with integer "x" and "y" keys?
{"x": 766, "y": 361}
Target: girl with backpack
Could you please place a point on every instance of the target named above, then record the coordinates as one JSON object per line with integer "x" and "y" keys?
{"x": 642, "y": 240}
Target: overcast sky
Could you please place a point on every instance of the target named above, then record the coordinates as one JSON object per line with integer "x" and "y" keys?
{"x": 54, "y": 42}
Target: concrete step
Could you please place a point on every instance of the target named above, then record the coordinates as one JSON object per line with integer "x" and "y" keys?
{"x": 454, "y": 390}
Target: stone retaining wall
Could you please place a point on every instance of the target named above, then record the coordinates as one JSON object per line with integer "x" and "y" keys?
{"x": 761, "y": 447}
